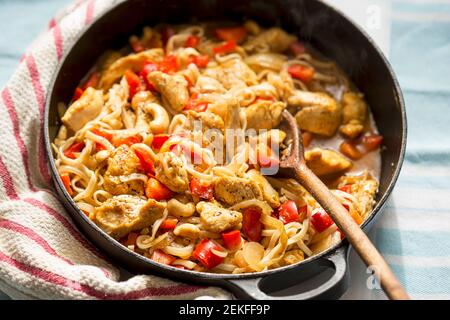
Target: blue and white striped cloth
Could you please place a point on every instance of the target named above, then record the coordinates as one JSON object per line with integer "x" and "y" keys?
{"x": 414, "y": 232}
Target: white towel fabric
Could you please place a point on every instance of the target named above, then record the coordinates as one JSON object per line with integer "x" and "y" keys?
{"x": 42, "y": 254}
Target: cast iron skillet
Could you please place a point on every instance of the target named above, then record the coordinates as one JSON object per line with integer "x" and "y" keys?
{"x": 325, "y": 28}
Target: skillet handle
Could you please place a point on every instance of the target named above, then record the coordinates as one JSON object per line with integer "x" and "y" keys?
{"x": 332, "y": 288}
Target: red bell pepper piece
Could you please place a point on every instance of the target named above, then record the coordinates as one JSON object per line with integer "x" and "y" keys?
{"x": 236, "y": 34}
{"x": 146, "y": 161}
{"x": 201, "y": 60}
{"x": 226, "y": 47}
{"x": 321, "y": 221}
{"x": 302, "y": 73}
{"x": 158, "y": 191}
{"x": 162, "y": 257}
{"x": 66, "y": 181}
{"x": 266, "y": 157}
{"x": 232, "y": 240}
{"x": 288, "y": 212}
{"x": 192, "y": 42}
{"x": 77, "y": 94}
{"x": 129, "y": 141}
{"x": 148, "y": 68}
{"x": 203, "y": 253}
{"x": 347, "y": 188}
{"x": 169, "y": 224}
{"x": 159, "y": 140}
{"x": 74, "y": 148}
{"x": 169, "y": 64}
{"x": 134, "y": 82}
{"x": 251, "y": 224}
{"x": 201, "y": 189}
{"x": 372, "y": 142}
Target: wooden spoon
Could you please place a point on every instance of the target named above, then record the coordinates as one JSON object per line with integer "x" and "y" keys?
{"x": 294, "y": 165}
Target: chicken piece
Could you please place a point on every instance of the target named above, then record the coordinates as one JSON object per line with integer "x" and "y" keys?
{"x": 264, "y": 114}
{"x": 232, "y": 190}
{"x": 218, "y": 219}
{"x": 122, "y": 214}
{"x": 207, "y": 120}
{"x": 232, "y": 73}
{"x": 270, "y": 195}
{"x": 354, "y": 115}
{"x": 134, "y": 62}
{"x": 170, "y": 170}
{"x": 320, "y": 113}
{"x": 150, "y": 115}
{"x": 121, "y": 164}
{"x": 364, "y": 188}
{"x": 325, "y": 162}
{"x": 266, "y": 61}
{"x": 209, "y": 85}
{"x": 273, "y": 39}
{"x": 85, "y": 109}
{"x": 174, "y": 88}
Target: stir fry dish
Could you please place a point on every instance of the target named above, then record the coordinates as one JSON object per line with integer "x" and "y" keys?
{"x": 171, "y": 144}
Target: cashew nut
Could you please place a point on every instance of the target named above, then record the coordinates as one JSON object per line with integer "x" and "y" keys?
{"x": 187, "y": 230}
{"x": 149, "y": 114}
{"x": 180, "y": 209}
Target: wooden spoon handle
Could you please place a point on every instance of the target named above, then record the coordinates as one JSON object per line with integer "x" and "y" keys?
{"x": 357, "y": 238}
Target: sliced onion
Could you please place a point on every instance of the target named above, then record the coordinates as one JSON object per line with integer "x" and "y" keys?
{"x": 219, "y": 253}
{"x": 253, "y": 253}
{"x": 182, "y": 252}
{"x": 185, "y": 263}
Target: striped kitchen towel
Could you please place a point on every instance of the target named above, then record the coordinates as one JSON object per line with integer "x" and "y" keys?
{"x": 42, "y": 254}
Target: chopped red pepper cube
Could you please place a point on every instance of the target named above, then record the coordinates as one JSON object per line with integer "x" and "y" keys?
{"x": 236, "y": 34}
{"x": 297, "y": 48}
{"x": 77, "y": 94}
{"x": 232, "y": 240}
{"x": 372, "y": 142}
{"x": 134, "y": 82}
{"x": 66, "y": 181}
{"x": 157, "y": 191}
{"x": 302, "y": 73}
{"x": 192, "y": 42}
{"x": 146, "y": 161}
{"x": 201, "y": 189}
{"x": 226, "y": 47}
{"x": 159, "y": 140}
{"x": 169, "y": 224}
{"x": 74, "y": 148}
{"x": 204, "y": 253}
{"x": 251, "y": 224}
{"x": 321, "y": 221}
{"x": 169, "y": 64}
{"x": 288, "y": 212}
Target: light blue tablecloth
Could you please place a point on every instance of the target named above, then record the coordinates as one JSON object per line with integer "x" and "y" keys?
{"x": 414, "y": 233}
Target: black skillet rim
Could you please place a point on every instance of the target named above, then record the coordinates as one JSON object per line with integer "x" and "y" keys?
{"x": 213, "y": 276}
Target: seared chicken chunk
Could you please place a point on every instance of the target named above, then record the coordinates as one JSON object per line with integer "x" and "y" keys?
{"x": 218, "y": 219}
{"x": 273, "y": 39}
{"x": 134, "y": 62}
{"x": 122, "y": 214}
{"x": 174, "y": 88}
{"x": 233, "y": 73}
{"x": 264, "y": 114}
{"x": 85, "y": 109}
{"x": 326, "y": 162}
{"x": 208, "y": 120}
{"x": 232, "y": 190}
{"x": 319, "y": 113}
{"x": 364, "y": 188}
{"x": 270, "y": 195}
{"x": 121, "y": 164}
{"x": 170, "y": 170}
{"x": 354, "y": 114}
